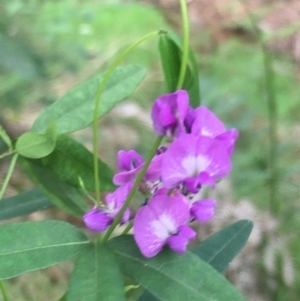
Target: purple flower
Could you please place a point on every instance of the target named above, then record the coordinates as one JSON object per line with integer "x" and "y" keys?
{"x": 99, "y": 219}
{"x": 194, "y": 161}
{"x": 179, "y": 241}
{"x": 229, "y": 138}
{"x": 206, "y": 123}
{"x": 116, "y": 200}
{"x": 130, "y": 163}
{"x": 203, "y": 210}
{"x": 168, "y": 113}
{"x": 202, "y": 121}
{"x": 162, "y": 222}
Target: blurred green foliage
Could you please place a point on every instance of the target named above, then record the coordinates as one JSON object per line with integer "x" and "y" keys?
{"x": 232, "y": 84}
{"x": 40, "y": 40}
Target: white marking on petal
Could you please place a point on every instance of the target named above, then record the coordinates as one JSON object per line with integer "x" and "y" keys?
{"x": 111, "y": 205}
{"x": 189, "y": 164}
{"x": 159, "y": 230}
{"x": 202, "y": 163}
{"x": 168, "y": 222}
{"x": 163, "y": 227}
{"x": 206, "y": 132}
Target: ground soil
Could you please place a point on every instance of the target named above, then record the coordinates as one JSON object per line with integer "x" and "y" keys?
{"x": 227, "y": 18}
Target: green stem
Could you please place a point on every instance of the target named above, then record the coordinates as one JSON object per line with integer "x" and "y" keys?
{"x": 138, "y": 181}
{"x": 9, "y": 173}
{"x": 185, "y": 48}
{"x": 274, "y": 201}
{"x": 97, "y": 104}
{"x": 4, "y": 291}
{"x": 272, "y": 132}
{"x": 128, "y": 228}
{"x": 7, "y": 154}
{"x": 6, "y": 138}
{"x": 85, "y": 192}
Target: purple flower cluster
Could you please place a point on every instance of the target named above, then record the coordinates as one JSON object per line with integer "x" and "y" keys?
{"x": 198, "y": 155}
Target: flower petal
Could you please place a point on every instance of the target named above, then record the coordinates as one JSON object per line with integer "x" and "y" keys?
{"x": 179, "y": 161}
{"x": 130, "y": 163}
{"x": 126, "y": 216}
{"x": 169, "y": 111}
{"x": 154, "y": 170}
{"x": 97, "y": 220}
{"x": 217, "y": 162}
{"x": 206, "y": 123}
{"x": 146, "y": 238}
{"x": 203, "y": 210}
{"x": 189, "y": 156}
{"x": 116, "y": 199}
{"x": 176, "y": 207}
{"x": 128, "y": 160}
{"x": 178, "y": 243}
{"x": 229, "y": 138}
{"x": 154, "y": 223}
{"x": 187, "y": 232}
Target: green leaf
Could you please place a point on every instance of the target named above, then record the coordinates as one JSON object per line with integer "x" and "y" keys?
{"x": 24, "y": 203}
{"x": 96, "y": 276}
{"x": 75, "y": 109}
{"x": 63, "y": 298}
{"x": 71, "y": 159}
{"x": 5, "y": 138}
{"x": 34, "y": 145}
{"x": 170, "y": 48}
{"x": 173, "y": 277}
{"x": 60, "y": 193}
{"x": 132, "y": 289}
{"x": 30, "y": 246}
{"x": 170, "y": 60}
{"x": 146, "y": 296}
{"x": 220, "y": 249}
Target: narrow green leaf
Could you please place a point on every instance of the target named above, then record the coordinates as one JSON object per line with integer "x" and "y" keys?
{"x": 24, "y": 203}
{"x": 220, "y": 248}
{"x": 60, "y": 193}
{"x": 173, "y": 277}
{"x": 30, "y": 246}
{"x": 170, "y": 60}
{"x": 71, "y": 159}
{"x": 170, "y": 48}
{"x": 96, "y": 276}
{"x": 35, "y": 145}
{"x": 74, "y": 110}
{"x": 5, "y": 138}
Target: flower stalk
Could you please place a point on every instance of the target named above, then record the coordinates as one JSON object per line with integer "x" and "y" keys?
{"x": 9, "y": 174}
{"x": 97, "y": 104}
{"x": 185, "y": 48}
{"x": 270, "y": 89}
{"x": 138, "y": 181}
